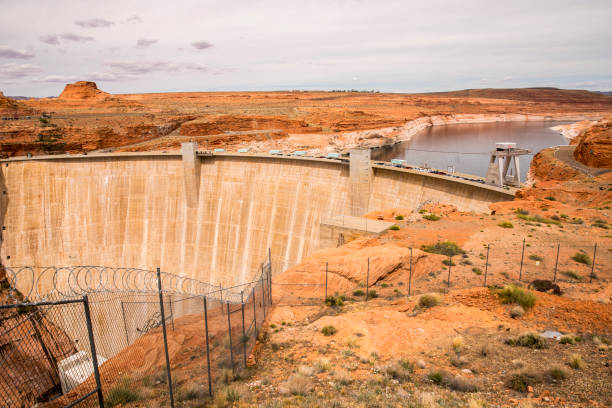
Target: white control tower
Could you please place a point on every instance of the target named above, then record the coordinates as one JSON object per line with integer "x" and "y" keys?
{"x": 500, "y": 172}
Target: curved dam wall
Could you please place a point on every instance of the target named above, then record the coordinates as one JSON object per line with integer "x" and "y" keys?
{"x": 213, "y": 222}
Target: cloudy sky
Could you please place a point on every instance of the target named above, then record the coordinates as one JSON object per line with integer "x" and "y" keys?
{"x": 399, "y": 46}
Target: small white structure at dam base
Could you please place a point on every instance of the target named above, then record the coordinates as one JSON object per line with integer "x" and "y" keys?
{"x": 77, "y": 368}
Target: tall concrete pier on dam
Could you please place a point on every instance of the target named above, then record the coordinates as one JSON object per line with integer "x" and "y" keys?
{"x": 210, "y": 217}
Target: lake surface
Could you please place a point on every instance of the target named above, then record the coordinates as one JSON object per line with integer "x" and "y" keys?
{"x": 468, "y": 146}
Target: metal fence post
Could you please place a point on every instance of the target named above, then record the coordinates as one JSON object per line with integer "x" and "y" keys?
{"x": 326, "y": 271}
{"x": 254, "y": 310}
{"x": 450, "y": 264}
{"x": 244, "y": 341}
{"x": 163, "y": 321}
{"x": 92, "y": 346}
{"x": 229, "y": 330}
{"x": 487, "y": 265}
{"x": 127, "y": 338}
{"x": 270, "y": 272}
{"x": 368, "y": 281}
{"x": 522, "y": 257}
{"x": 410, "y": 276}
{"x": 557, "y": 262}
{"x": 263, "y": 294}
{"x": 171, "y": 311}
{"x": 207, "y": 347}
{"x": 593, "y": 263}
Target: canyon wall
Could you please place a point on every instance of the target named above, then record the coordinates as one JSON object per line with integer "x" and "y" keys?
{"x": 130, "y": 210}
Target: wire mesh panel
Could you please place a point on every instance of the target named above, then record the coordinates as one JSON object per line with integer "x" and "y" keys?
{"x": 45, "y": 356}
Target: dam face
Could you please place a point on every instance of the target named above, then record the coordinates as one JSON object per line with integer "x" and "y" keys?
{"x": 138, "y": 210}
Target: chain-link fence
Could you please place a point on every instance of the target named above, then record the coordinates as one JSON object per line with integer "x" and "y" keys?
{"x": 120, "y": 332}
{"x": 440, "y": 268}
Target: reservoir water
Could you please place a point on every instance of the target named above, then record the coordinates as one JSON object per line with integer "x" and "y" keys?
{"x": 467, "y": 147}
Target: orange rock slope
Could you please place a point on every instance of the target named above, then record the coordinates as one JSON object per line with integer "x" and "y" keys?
{"x": 594, "y": 147}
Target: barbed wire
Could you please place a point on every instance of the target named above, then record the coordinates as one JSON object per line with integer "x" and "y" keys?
{"x": 37, "y": 284}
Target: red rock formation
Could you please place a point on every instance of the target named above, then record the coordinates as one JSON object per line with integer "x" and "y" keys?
{"x": 595, "y": 146}
{"x": 83, "y": 90}
{"x": 218, "y": 124}
{"x": 11, "y": 107}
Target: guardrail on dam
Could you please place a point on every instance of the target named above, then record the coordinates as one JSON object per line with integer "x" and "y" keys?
{"x": 209, "y": 217}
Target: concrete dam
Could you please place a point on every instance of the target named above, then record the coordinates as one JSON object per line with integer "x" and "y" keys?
{"x": 211, "y": 217}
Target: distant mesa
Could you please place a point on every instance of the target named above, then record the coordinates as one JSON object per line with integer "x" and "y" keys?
{"x": 83, "y": 90}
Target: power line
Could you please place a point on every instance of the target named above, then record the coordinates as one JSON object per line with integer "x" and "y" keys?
{"x": 442, "y": 151}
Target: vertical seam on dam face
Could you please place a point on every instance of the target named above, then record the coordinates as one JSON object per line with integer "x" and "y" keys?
{"x": 134, "y": 212}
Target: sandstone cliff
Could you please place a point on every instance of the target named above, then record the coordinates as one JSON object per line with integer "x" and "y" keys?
{"x": 83, "y": 90}
{"x": 594, "y": 146}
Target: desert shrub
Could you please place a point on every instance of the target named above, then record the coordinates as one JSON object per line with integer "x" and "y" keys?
{"x": 457, "y": 343}
{"x": 306, "y": 371}
{"x": 358, "y": 292}
{"x": 329, "y": 330}
{"x": 517, "y": 311}
{"x": 462, "y": 384}
{"x": 431, "y": 217}
{"x": 555, "y": 374}
{"x": 394, "y": 228}
{"x": 336, "y": 300}
{"x": 477, "y": 271}
{"x": 575, "y": 361}
{"x": 190, "y": 393}
{"x": 296, "y": 384}
{"x": 384, "y": 285}
{"x": 399, "y": 217}
{"x": 506, "y": 224}
{"x": 572, "y": 275}
{"x": 437, "y": 377}
{"x": 601, "y": 224}
{"x": 538, "y": 219}
{"x": 227, "y": 376}
{"x": 515, "y": 294}
{"x": 550, "y": 198}
{"x": 458, "y": 361}
{"x": 322, "y": 365}
{"x": 566, "y": 340}
{"x": 372, "y": 294}
{"x": 343, "y": 377}
{"x": 448, "y": 262}
{"x": 121, "y": 394}
{"x": 447, "y": 248}
{"x": 531, "y": 340}
{"x": 536, "y": 258}
{"x": 521, "y": 380}
{"x": 232, "y": 394}
{"x": 582, "y": 258}
{"x": 575, "y": 220}
{"x": 521, "y": 211}
{"x": 466, "y": 262}
{"x": 397, "y": 372}
{"x": 429, "y": 300}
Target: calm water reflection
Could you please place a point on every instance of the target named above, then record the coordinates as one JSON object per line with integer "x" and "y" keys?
{"x": 476, "y": 139}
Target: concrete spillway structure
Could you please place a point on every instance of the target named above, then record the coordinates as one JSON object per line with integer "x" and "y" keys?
{"x": 210, "y": 217}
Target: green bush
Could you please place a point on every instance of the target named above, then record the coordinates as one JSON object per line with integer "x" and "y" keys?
{"x": 506, "y": 224}
{"x": 431, "y": 217}
{"x": 447, "y": 248}
{"x": 477, "y": 271}
{"x": 566, "y": 340}
{"x": 394, "y": 228}
{"x": 555, "y": 374}
{"x": 521, "y": 211}
{"x": 582, "y": 258}
{"x": 372, "y": 294}
{"x": 521, "y": 381}
{"x": 550, "y": 198}
{"x": 337, "y": 300}
{"x": 429, "y": 300}
{"x": 358, "y": 292}
{"x": 399, "y": 217}
{"x": 538, "y": 218}
{"x": 530, "y": 340}
{"x": 121, "y": 394}
{"x": 575, "y": 361}
{"x": 436, "y": 376}
{"x": 448, "y": 262}
{"x": 329, "y": 330}
{"x": 536, "y": 258}
{"x": 515, "y": 294}
{"x": 572, "y": 274}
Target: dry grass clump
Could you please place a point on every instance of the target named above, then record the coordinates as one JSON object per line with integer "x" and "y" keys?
{"x": 521, "y": 380}
{"x": 191, "y": 392}
{"x": 329, "y": 330}
{"x": 343, "y": 377}
{"x": 555, "y": 374}
{"x": 122, "y": 393}
{"x": 397, "y": 371}
{"x": 426, "y": 400}
{"x": 296, "y": 384}
{"x": 305, "y": 371}
{"x": 515, "y": 294}
{"x": 457, "y": 344}
{"x": 517, "y": 311}
{"x": 322, "y": 365}
{"x": 457, "y": 383}
{"x": 575, "y": 361}
{"x": 429, "y": 300}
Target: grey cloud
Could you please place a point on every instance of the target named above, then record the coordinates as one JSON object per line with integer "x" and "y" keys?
{"x": 132, "y": 20}
{"x": 201, "y": 45}
{"x": 76, "y": 37}
{"x": 62, "y": 79}
{"x": 134, "y": 68}
{"x": 8, "y": 52}
{"x": 12, "y": 70}
{"x": 143, "y": 42}
{"x": 49, "y": 39}
{"x": 94, "y": 23}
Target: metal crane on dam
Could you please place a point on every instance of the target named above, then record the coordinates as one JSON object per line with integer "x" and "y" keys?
{"x": 500, "y": 164}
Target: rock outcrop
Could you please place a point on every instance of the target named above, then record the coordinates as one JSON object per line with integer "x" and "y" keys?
{"x": 595, "y": 146}
{"x": 218, "y": 124}
{"x": 83, "y": 90}
{"x": 11, "y": 107}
